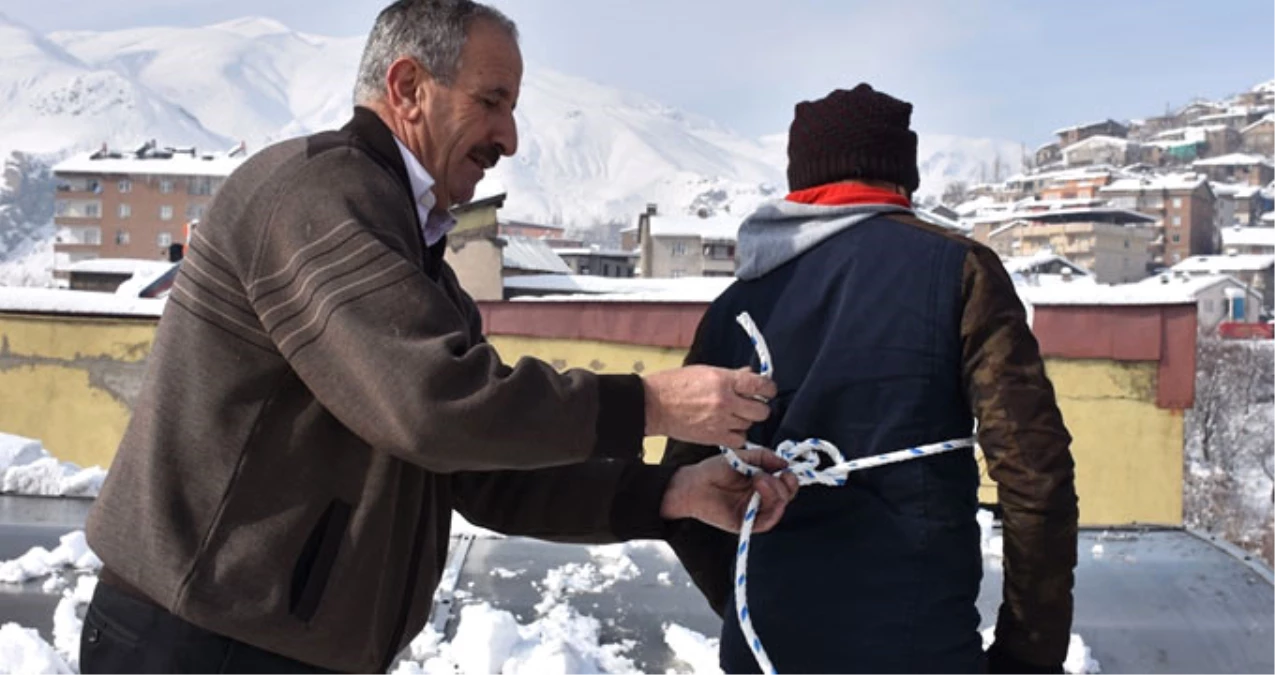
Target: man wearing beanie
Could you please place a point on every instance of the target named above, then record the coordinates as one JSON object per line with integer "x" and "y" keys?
{"x": 887, "y": 333}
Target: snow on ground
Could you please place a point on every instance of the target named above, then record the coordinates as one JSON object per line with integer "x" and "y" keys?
{"x": 1079, "y": 657}
{"x": 695, "y": 650}
{"x": 72, "y": 553}
{"x": 26, "y": 468}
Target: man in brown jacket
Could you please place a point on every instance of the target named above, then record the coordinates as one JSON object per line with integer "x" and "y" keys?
{"x": 319, "y": 397}
{"x": 887, "y": 333}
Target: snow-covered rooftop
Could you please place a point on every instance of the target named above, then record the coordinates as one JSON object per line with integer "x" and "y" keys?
{"x": 722, "y": 227}
{"x": 1103, "y": 294}
{"x": 531, "y": 255}
{"x": 1234, "y": 190}
{"x": 1190, "y": 284}
{"x": 58, "y": 301}
{"x": 1249, "y": 236}
{"x": 1076, "y": 173}
{"x": 585, "y": 287}
{"x": 1189, "y": 181}
{"x": 1225, "y": 264}
{"x": 119, "y": 266}
{"x": 1027, "y": 263}
{"x": 130, "y": 164}
{"x": 596, "y": 250}
{"x": 1087, "y": 125}
{"x": 1267, "y": 119}
{"x": 1097, "y": 140}
{"x": 1235, "y": 159}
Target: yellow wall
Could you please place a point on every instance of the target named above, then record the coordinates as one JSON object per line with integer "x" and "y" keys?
{"x": 600, "y": 357}
{"x": 70, "y": 382}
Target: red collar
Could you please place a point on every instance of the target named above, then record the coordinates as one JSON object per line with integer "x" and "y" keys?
{"x": 840, "y": 194}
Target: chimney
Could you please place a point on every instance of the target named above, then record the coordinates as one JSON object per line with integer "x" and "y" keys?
{"x": 652, "y": 209}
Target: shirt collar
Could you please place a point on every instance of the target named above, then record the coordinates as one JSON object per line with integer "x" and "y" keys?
{"x": 434, "y": 226}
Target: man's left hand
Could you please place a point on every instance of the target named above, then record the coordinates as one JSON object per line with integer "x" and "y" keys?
{"x": 714, "y": 493}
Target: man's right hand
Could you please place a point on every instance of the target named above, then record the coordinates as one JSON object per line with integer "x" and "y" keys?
{"x": 706, "y": 405}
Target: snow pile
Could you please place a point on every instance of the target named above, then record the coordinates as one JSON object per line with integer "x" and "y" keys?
{"x": 692, "y": 648}
{"x": 71, "y": 553}
{"x": 489, "y": 640}
{"x": 26, "y": 468}
{"x": 1079, "y": 657}
{"x": 22, "y": 650}
{"x": 992, "y": 544}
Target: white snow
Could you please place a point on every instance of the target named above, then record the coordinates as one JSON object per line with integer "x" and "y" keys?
{"x": 22, "y": 650}
{"x": 72, "y": 553}
{"x": 63, "y": 301}
{"x": 1225, "y": 264}
{"x": 1079, "y": 657}
{"x": 583, "y": 287}
{"x": 503, "y": 573}
{"x": 218, "y": 165}
{"x": 27, "y": 468}
{"x": 692, "y": 648}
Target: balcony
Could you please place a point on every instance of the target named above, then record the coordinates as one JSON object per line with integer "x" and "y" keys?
{"x": 78, "y": 236}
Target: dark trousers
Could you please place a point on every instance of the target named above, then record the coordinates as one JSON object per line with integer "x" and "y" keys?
{"x": 125, "y": 634}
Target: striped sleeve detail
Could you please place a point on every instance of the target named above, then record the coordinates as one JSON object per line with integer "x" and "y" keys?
{"x": 208, "y": 288}
{"x": 296, "y": 301}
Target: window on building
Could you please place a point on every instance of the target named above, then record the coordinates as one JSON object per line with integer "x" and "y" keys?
{"x": 584, "y": 269}
{"x": 1177, "y": 202}
{"x": 1177, "y": 238}
{"x": 125, "y": 186}
{"x": 94, "y": 186}
{"x": 200, "y": 186}
{"x": 1126, "y": 243}
{"x": 679, "y": 248}
{"x": 678, "y": 274}
{"x": 166, "y": 186}
{"x": 164, "y": 240}
{"x": 121, "y": 237}
{"x": 125, "y": 211}
{"x": 195, "y": 211}
{"x": 165, "y": 213}
{"x": 92, "y": 210}
{"x": 1177, "y": 221}
{"x": 93, "y": 235}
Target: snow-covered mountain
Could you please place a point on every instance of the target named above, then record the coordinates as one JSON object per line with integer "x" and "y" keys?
{"x": 588, "y": 153}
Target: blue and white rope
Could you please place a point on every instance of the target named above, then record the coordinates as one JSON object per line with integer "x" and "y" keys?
{"x": 803, "y": 461}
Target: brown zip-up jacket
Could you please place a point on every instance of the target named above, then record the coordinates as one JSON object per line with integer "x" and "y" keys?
{"x": 319, "y": 398}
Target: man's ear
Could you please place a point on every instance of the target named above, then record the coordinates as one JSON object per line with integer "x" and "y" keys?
{"x": 405, "y": 83}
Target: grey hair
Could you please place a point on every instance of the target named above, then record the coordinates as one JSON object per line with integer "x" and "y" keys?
{"x": 430, "y": 31}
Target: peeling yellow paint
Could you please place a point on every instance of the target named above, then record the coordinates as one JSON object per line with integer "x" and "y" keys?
{"x": 55, "y": 404}
{"x": 70, "y": 338}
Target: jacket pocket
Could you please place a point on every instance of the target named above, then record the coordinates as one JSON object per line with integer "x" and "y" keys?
{"x": 314, "y": 565}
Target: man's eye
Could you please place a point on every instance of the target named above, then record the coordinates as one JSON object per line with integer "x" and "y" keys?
{"x": 491, "y": 103}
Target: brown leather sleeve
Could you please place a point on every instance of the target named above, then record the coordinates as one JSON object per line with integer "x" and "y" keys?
{"x": 707, "y": 553}
{"x": 1028, "y": 454}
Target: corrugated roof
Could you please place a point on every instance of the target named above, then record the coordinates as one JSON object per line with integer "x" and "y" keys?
{"x": 531, "y": 255}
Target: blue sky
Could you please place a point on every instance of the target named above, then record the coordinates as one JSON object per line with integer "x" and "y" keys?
{"x": 1012, "y": 69}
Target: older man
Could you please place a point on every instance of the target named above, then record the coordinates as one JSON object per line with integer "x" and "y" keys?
{"x": 320, "y": 397}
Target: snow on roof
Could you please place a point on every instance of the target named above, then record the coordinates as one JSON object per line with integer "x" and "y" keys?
{"x": 1078, "y": 214}
{"x": 584, "y": 287}
{"x": 973, "y": 206}
{"x": 128, "y": 266}
{"x": 1093, "y": 171}
{"x": 1087, "y": 125}
{"x": 596, "y": 250}
{"x": 58, "y": 301}
{"x": 179, "y": 164}
{"x": 1103, "y": 294}
{"x": 1234, "y": 190}
{"x": 724, "y": 227}
{"x": 1248, "y": 236}
{"x": 935, "y": 219}
{"x": 531, "y": 255}
{"x": 1234, "y": 159}
{"x": 1026, "y": 263}
{"x": 1268, "y": 119}
{"x": 1191, "y": 284}
{"x": 1180, "y": 181}
{"x": 1268, "y": 217}
{"x": 1225, "y": 264}
{"x": 1097, "y": 140}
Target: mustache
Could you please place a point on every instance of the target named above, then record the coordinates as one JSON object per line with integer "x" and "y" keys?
{"x": 488, "y": 153}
